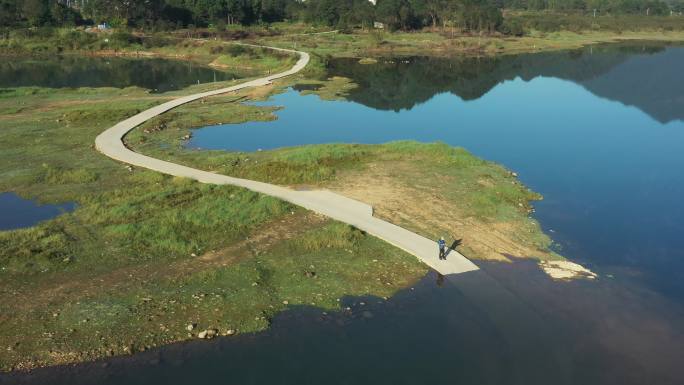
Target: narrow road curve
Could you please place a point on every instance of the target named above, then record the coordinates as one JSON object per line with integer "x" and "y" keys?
{"x": 335, "y": 206}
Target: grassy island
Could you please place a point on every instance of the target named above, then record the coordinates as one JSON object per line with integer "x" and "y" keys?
{"x": 146, "y": 255}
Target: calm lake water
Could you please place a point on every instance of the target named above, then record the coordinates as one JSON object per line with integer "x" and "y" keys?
{"x": 158, "y": 75}
{"x": 598, "y": 131}
{"x": 17, "y": 212}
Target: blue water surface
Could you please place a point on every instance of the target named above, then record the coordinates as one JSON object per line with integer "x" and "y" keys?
{"x": 605, "y": 146}
{"x": 17, "y": 212}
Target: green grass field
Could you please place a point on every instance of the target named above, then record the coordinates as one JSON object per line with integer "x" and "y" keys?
{"x": 144, "y": 255}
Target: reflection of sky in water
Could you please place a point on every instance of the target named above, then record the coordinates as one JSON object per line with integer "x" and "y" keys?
{"x": 16, "y": 212}
{"x": 610, "y": 173}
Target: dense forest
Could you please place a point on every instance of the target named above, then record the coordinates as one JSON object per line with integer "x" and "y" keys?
{"x": 478, "y": 15}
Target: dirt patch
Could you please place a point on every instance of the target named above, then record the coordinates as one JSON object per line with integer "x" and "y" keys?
{"x": 431, "y": 213}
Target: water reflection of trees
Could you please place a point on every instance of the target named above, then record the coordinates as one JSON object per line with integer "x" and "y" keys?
{"x": 72, "y": 71}
{"x": 401, "y": 83}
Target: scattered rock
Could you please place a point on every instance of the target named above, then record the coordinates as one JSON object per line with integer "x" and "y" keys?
{"x": 286, "y": 302}
{"x": 566, "y": 270}
{"x": 191, "y": 327}
{"x": 367, "y": 61}
{"x": 207, "y": 334}
{"x": 310, "y": 274}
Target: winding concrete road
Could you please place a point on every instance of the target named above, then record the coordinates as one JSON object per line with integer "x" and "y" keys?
{"x": 325, "y": 202}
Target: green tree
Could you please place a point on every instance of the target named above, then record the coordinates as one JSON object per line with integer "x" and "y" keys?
{"x": 396, "y": 14}
{"x": 36, "y": 12}
{"x": 9, "y": 13}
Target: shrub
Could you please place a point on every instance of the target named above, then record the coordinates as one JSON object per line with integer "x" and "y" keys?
{"x": 122, "y": 39}
{"x": 513, "y": 27}
{"x": 236, "y": 50}
{"x": 336, "y": 235}
{"x": 59, "y": 175}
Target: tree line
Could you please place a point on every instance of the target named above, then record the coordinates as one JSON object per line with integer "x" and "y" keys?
{"x": 473, "y": 15}
{"x": 476, "y": 15}
{"x": 602, "y": 7}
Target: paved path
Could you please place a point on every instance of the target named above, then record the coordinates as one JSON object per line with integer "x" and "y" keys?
{"x": 333, "y": 205}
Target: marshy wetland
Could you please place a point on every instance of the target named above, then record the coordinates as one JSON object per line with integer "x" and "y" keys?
{"x": 570, "y": 124}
